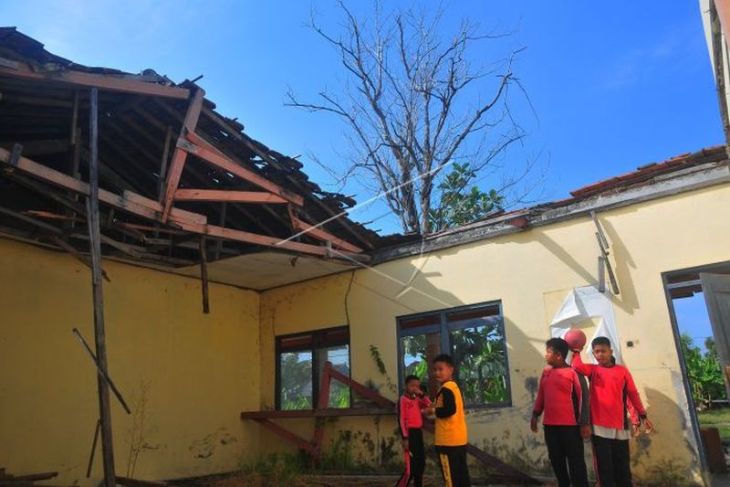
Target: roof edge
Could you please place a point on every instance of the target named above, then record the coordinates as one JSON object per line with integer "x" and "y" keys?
{"x": 664, "y": 185}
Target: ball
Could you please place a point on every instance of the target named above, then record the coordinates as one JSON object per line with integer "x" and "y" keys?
{"x": 576, "y": 339}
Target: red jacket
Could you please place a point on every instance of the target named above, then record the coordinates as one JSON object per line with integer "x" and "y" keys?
{"x": 409, "y": 413}
{"x": 559, "y": 397}
{"x": 614, "y": 396}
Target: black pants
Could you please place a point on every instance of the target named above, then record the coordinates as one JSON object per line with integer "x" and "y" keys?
{"x": 453, "y": 466}
{"x": 612, "y": 462}
{"x": 418, "y": 459}
{"x": 565, "y": 449}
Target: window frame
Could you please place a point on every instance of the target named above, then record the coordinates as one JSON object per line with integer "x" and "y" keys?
{"x": 316, "y": 344}
{"x": 443, "y": 327}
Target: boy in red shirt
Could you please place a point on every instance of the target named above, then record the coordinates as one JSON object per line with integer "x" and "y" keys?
{"x": 410, "y": 419}
{"x": 563, "y": 398}
{"x": 614, "y": 398}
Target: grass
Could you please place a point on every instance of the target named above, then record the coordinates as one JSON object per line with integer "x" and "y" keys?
{"x": 718, "y": 418}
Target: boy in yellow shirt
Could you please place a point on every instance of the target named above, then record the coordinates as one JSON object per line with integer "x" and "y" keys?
{"x": 450, "y": 436}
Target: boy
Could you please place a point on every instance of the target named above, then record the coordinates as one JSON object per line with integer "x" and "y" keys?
{"x": 613, "y": 394}
{"x": 450, "y": 435}
{"x": 562, "y": 398}
{"x": 410, "y": 419}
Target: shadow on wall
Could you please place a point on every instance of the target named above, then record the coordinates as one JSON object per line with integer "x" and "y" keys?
{"x": 671, "y": 429}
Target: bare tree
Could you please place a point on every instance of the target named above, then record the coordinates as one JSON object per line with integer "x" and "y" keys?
{"x": 416, "y": 102}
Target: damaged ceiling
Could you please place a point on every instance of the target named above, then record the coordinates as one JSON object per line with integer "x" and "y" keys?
{"x": 172, "y": 170}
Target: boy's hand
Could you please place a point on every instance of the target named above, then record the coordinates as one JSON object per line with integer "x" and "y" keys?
{"x": 533, "y": 424}
{"x": 404, "y": 443}
{"x": 648, "y": 426}
{"x": 429, "y": 411}
{"x": 585, "y": 431}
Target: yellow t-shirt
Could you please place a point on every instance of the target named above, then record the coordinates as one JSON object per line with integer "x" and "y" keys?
{"x": 451, "y": 430}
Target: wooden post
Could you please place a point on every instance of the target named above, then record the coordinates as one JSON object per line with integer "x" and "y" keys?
{"x": 107, "y": 448}
{"x": 204, "y": 275}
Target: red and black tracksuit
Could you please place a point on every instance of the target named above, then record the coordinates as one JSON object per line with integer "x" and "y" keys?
{"x": 563, "y": 399}
{"x": 410, "y": 420}
{"x": 614, "y": 400}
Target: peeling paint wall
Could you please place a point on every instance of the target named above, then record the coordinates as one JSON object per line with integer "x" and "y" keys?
{"x": 529, "y": 273}
{"x": 186, "y": 375}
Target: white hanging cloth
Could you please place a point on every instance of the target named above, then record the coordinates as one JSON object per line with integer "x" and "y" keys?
{"x": 582, "y": 304}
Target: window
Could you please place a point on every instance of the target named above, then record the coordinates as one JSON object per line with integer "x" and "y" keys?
{"x": 299, "y": 356}
{"x": 473, "y": 336}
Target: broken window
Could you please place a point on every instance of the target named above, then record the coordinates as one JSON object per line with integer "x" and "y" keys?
{"x": 473, "y": 336}
{"x": 299, "y": 356}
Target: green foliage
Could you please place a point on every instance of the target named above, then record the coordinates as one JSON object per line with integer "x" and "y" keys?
{"x": 703, "y": 369}
{"x": 481, "y": 353}
{"x": 459, "y": 206}
{"x": 296, "y": 381}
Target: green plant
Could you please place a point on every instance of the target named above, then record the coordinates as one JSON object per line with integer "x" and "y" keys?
{"x": 459, "y": 206}
{"x": 704, "y": 372}
{"x": 380, "y": 364}
{"x": 279, "y": 469}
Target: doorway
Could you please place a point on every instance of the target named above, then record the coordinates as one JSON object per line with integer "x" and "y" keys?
{"x": 699, "y": 302}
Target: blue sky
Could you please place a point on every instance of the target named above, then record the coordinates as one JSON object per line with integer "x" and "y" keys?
{"x": 614, "y": 85}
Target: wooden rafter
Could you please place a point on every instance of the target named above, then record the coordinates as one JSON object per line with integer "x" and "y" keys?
{"x": 150, "y": 209}
{"x": 197, "y": 146}
{"x": 227, "y": 196}
{"x": 321, "y": 234}
{"x": 110, "y": 82}
{"x": 177, "y": 164}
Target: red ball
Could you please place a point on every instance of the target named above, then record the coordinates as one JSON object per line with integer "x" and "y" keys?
{"x": 576, "y": 339}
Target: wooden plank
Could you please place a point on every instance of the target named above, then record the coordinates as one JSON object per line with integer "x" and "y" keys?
{"x": 176, "y": 214}
{"x": 230, "y": 196}
{"x": 109, "y": 82}
{"x": 318, "y": 413}
{"x": 202, "y": 149}
{"x": 177, "y": 164}
{"x": 322, "y": 234}
{"x": 287, "y": 435}
{"x": 361, "y": 390}
{"x": 204, "y": 275}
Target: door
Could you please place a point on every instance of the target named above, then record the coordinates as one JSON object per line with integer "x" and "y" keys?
{"x": 716, "y": 288}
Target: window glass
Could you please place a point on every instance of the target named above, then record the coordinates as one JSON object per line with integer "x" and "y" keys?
{"x": 474, "y": 337}
{"x": 295, "y": 380}
{"x": 300, "y": 364}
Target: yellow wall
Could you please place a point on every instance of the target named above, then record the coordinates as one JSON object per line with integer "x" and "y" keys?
{"x": 187, "y": 375}
{"x": 195, "y": 372}
{"x": 526, "y": 271}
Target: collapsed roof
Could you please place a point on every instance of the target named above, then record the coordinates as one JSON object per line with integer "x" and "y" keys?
{"x": 171, "y": 169}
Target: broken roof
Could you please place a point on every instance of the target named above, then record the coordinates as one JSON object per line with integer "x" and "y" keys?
{"x": 169, "y": 171}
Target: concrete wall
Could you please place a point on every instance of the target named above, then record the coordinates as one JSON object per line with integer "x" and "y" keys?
{"x": 186, "y": 375}
{"x": 529, "y": 272}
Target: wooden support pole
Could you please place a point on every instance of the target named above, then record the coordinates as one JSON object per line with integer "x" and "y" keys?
{"x": 107, "y": 446}
{"x": 204, "y": 275}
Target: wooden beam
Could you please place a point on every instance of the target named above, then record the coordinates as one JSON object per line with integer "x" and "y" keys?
{"x": 264, "y": 240}
{"x": 176, "y": 213}
{"x": 231, "y": 196}
{"x": 178, "y": 156}
{"x": 150, "y": 209}
{"x": 139, "y": 206}
{"x": 321, "y": 234}
{"x": 197, "y": 146}
{"x": 109, "y": 82}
